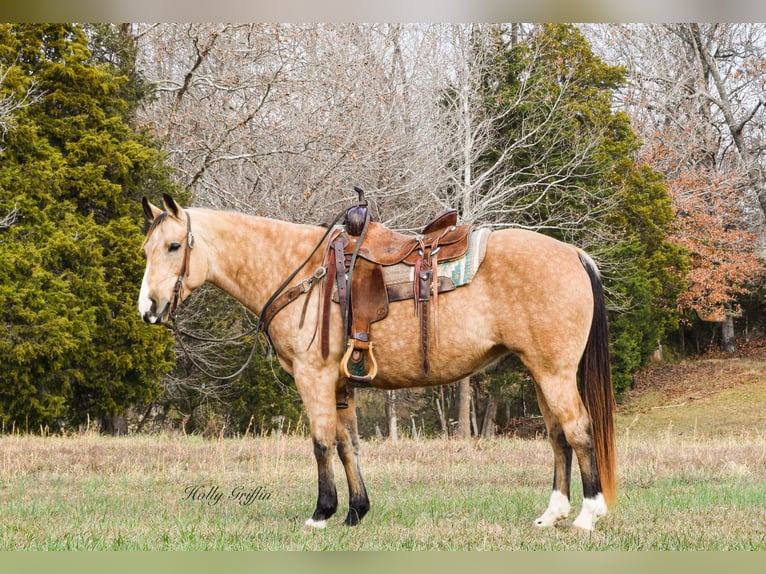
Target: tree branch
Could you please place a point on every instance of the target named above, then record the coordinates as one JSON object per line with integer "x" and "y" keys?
{"x": 9, "y": 218}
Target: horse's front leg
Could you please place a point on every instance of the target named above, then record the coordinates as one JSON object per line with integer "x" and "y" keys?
{"x": 327, "y": 497}
{"x": 347, "y": 434}
{"x": 318, "y": 395}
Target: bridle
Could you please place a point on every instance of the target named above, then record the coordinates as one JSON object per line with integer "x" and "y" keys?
{"x": 184, "y": 272}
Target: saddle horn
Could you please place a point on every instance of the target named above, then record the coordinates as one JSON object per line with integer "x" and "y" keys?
{"x": 357, "y": 216}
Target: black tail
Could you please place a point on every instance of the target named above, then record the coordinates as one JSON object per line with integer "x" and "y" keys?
{"x": 596, "y": 386}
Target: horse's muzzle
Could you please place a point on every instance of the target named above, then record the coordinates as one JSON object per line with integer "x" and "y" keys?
{"x": 153, "y": 318}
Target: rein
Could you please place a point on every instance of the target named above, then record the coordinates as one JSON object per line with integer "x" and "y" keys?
{"x": 178, "y": 331}
{"x": 278, "y": 301}
{"x": 177, "y": 289}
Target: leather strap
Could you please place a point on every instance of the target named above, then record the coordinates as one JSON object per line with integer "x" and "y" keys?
{"x": 404, "y": 291}
{"x": 285, "y": 298}
{"x": 324, "y": 332}
{"x": 184, "y": 272}
{"x": 424, "y": 339}
{"x": 340, "y": 273}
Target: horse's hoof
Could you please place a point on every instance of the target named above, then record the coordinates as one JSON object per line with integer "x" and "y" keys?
{"x": 316, "y": 523}
{"x": 356, "y": 513}
{"x": 558, "y": 508}
{"x": 352, "y": 519}
{"x": 592, "y": 510}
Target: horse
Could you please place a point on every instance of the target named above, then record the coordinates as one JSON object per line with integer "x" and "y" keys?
{"x": 534, "y": 296}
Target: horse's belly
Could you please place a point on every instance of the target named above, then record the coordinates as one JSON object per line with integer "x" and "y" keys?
{"x": 461, "y": 342}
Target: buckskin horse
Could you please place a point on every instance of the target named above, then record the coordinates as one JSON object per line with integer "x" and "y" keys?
{"x": 532, "y": 295}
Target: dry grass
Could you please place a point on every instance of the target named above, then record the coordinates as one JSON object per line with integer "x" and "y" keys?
{"x": 698, "y": 399}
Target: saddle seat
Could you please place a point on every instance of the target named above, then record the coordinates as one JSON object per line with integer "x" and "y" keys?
{"x": 388, "y": 247}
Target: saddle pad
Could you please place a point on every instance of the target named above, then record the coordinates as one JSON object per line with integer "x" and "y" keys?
{"x": 459, "y": 271}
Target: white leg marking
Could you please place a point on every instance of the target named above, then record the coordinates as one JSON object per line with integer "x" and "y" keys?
{"x": 316, "y": 523}
{"x": 592, "y": 510}
{"x": 558, "y": 508}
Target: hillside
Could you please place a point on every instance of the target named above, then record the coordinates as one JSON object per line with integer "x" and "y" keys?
{"x": 712, "y": 395}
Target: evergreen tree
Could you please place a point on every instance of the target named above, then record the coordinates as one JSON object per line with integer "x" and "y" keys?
{"x": 71, "y": 342}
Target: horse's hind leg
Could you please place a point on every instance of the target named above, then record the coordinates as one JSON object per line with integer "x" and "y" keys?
{"x": 347, "y": 435}
{"x": 559, "y": 505}
{"x": 567, "y": 413}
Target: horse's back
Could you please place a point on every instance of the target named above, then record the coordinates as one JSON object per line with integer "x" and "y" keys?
{"x": 533, "y": 270}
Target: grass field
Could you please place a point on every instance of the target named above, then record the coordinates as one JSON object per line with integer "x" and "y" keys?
{"x": 692, "y": 476}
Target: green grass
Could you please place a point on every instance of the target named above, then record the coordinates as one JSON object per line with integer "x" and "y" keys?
{"x": 691, "y": 472}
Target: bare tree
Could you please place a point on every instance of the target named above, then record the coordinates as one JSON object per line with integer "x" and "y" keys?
{"x": 9, "y": 218}
{"x": 10, "y": 105}
{"x": 498, "y": 192}
{"x": 704, "y": 79}
{"x": 282, "y": 120}
{"x": 730, "y": 60}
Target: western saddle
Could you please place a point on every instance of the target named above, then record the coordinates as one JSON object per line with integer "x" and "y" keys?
{"x": 358, "y": 257}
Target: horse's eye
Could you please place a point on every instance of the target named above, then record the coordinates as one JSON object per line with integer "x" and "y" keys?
{"x": 174, "y": 247}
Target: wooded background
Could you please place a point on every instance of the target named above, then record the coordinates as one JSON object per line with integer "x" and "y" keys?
{"x": 643, "y": 144}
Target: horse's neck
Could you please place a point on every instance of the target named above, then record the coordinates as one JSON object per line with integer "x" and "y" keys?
{"x": 249, "y": 257}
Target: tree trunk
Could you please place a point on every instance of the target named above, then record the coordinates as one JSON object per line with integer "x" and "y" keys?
{"x": 440, "y": 410}
{"x": 115, "y": 425}
{"x": 728, "y": 341}
{"x": 393, "y": 435}
{"x": 413, "y": 427}
{"x": 488, "y": 425}
{"x": 474, "y": 424}
{"x": 464, "y": 408}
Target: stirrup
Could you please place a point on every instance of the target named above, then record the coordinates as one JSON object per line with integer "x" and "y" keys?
{"x": 354, "y": 370}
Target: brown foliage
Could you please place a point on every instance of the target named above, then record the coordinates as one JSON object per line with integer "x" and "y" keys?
{"x": 710, "y": 225}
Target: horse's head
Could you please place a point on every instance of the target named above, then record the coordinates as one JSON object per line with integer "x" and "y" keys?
{"x": 173, "y": 268}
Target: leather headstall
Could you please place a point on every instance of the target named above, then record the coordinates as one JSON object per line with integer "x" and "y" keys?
{"x": 184, "y": 272}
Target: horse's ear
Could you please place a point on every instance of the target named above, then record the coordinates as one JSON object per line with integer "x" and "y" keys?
{"x": 170, "y": 205}
{"x": 150, "y": 211}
